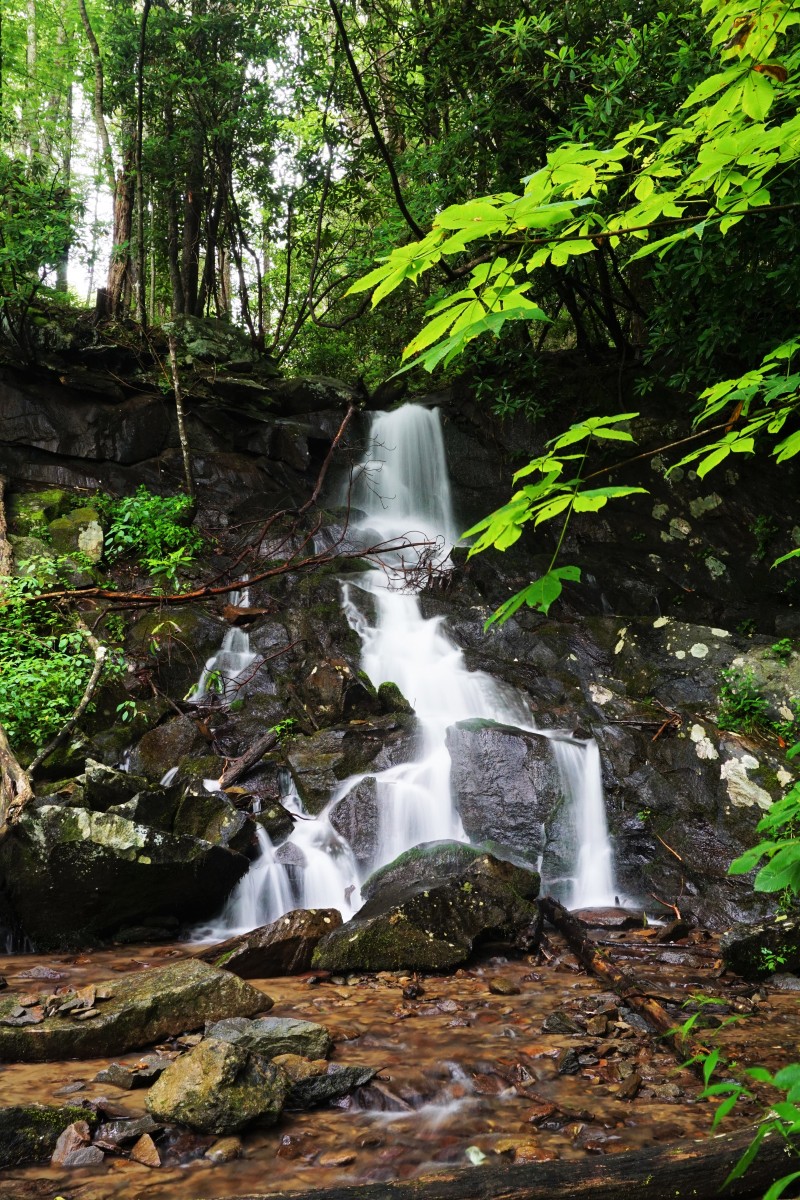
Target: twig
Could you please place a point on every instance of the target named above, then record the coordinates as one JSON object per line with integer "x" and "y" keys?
{"x": 675, "y": 852}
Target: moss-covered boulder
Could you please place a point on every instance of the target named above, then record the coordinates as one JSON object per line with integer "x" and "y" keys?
{"x": 432, "y": 923}
{"x": 29, "y": 1132}
{"x": 72, "y": 875}
{"x": 284, "y": 947}
{"x": 29, "y": 512}
{"x": 163, "y": 747}
{"x": 177, "y": 644}
{"x": 140, "y": 1008}
{"x": 105, "y": 786}
{"x": 78, "y": 531}
{"x": 219, "y": 1087}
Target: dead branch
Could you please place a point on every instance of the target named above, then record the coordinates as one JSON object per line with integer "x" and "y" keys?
{"x": 100, "y": 655}
{"x": 6, "y": 557}
{"x": 241, "y": 765}
{"x": 16, "y": 791}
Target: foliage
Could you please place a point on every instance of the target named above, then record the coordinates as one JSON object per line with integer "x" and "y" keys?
{"x": 743, "y": 708}
{"x": 781, "y": 650}
{"x": 781, "y": 848}
{"x": 46, "y": 661}
{"x": 152, "y": 528}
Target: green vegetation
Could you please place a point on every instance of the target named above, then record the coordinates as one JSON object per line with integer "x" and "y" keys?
{"x": 154, "y": 529}
{"x": 742, "y": 707}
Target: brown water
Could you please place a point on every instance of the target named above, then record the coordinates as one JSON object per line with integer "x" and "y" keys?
{"x": 461, "y": 1067}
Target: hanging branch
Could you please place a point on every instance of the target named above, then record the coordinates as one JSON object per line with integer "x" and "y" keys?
{"x": 100, "y": 655}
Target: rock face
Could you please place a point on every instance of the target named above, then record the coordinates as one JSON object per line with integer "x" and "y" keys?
{"x": 219, "y": 1087}
{"x": 757, "y": 951}
{"x": 271, "y": 1036}
{"x": 73, "y": 875}
{"x": 29, "y": 1132}
{"x": 321, "y": 761}
{"x": 504, "y": 782}
{"x": 285, "y": 947}
{"x": 141, "y": 1008}
{"x": 422, "y": 921}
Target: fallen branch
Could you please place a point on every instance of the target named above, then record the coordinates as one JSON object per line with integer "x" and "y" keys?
{"x": 675, "y": 1172}
{"x": 238, "y": 767}
{"x": 100, "y": 655}
{"x": 6, "y": 557}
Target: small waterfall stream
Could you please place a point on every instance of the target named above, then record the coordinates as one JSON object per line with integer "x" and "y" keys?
{"x": 402, "y": 490}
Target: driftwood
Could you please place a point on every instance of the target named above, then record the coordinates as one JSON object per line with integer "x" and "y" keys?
{"x": 238, "y": 767}
{"x": 681, "y": 1171}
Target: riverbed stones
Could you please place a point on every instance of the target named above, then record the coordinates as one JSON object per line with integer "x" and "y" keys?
{"x": 29, "y": 1132}
{"x": 73, "y": 875}
{"x": 317, "y": 1082}
{"x": 284, "y": 947}
{"x": 272, "y": 1036}
{"x": 140, "y": 1009}
{"x": 219, "y": 1087}
{"x": 433, "y": 923}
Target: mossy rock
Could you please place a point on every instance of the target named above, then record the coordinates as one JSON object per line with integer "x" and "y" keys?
{"x": 392, "y": 699}
{"x": 142, "y": 1008}
{"x": 29, "y": 512}
{"x": 26, "y": 548}
{"x": 29, "y": 1132}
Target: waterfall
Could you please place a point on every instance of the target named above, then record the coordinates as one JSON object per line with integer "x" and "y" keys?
{"x": 402, "y": 490}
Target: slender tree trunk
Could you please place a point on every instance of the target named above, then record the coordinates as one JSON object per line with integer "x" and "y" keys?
{"x": 118, "y": 284}
{"x": 192, "y": 217}
{"x": 30, "y": 121}
{"x": 62, "y": 266}
{"x": 98, "y": 105}
{"x": 188, "y": 473}
{"x": 141, "y": 296}
{"x": 173, "y": 255}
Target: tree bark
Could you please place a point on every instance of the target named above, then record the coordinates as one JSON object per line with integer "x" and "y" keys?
{"x": 188, "y": 473}
{"x": 241, "y": 765}
{"x": 6, "y": 556}
{"x": 682, "y": 1171}
{"x": 15, "y": 787}
{"x": 98, "y": 105}
{"x": 141, "y": 297}
{"x": 118, "y": 284}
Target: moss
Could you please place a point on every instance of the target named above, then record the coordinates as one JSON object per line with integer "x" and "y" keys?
{"x": 392, "y": 699}
{"x": 29, "y": 1132}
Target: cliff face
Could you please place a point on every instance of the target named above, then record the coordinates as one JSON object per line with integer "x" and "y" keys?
{"x": 676, "y": 589}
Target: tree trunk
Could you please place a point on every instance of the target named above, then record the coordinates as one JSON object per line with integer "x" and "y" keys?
{"x": 15, "y": 787}
{"x": 119, "y": 282}
{"x": 192, "y": 216}
{"x": 173, "y": 237}
{"x": 141, "y": 296}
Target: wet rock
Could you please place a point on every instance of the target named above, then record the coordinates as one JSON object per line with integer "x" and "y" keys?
{"x": 105, "y": 786}
{"x": 317, "y": 1082}
{"x": 421, "y": 867}
{"x": 142, "y": 1008}
{"x": 610, "y": 918}
{"x": 164, "y": 746}
{"x": 219, "y": 1087}
{"x": 138, "y": 1075}
{"x": 178, "y": 648}
{"x": 568, "y": 1062}
{"x": 212, "y": 817}
{"x": 72, "y": 875}
{"x": 78, "y": 531}
{"x": 112, "y": 1134}
{"x": 432, "y": 927}
{"x": 337, "y": 691}
{"x": 73, "y": 1147}
{"x": 311, "y": 394}
{"x": 757, "y": 951}
{"x": 560, "y": 1022}
{"x": 30, "y": 1132}
{"x": 630, "y": 1087}
{"x": 319, "y": 762}
{"x": 499, "y": 986}
{"x": 272, "y": 1036}
{"x": 29, "y": 512}
{"x": 144, "y": 1151}
{"x": 225, "y": 1150}
{"x": 357, "y": 818}
{"x": 284, "y": 947}
{"x": 504, "y": 781}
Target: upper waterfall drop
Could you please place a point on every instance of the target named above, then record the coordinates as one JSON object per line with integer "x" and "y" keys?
{"x": 401, "y": 493}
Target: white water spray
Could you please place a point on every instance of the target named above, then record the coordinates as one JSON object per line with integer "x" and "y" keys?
{"x": 403, "y": 491}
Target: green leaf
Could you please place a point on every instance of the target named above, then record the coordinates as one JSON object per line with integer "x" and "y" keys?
{"x": 780, "y": 1186}
{"x": 749, "y": 1154}
{"x": 750, "y": 859}
{"x": 710, "y": 1063}
{"x": 539, "y": 595}
{"x": 757, "y": 96}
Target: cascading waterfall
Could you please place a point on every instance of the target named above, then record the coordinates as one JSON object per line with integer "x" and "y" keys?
{"x": 402, "y": 491}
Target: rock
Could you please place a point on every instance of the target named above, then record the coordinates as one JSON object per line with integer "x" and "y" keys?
{"x": 30, "y": 1132}
{"x": 272, "y": 1036}
{"x": 112, "y": 1134}
{"x": 319, "y": 762}
{"x": 560, "y": 1022}
{"x": 433, "y": 922}
{"x": 179, "y": 648}
{"x": 336, "y": 691}
{"x": 73, "y": 1149}
{"x": 311, "y": 394}
{"x": 143, "y": 1007}
{"x": 225, "y": 1150}
{"x": 756, "y": 951}
{"x": 504, "y": 987}
{"x": 357, "y": 818}
{"x": 219, "y": 1087}
{"x": 611, "y": 918}
{"x": 164, "y": 747}
{"x": 144, "y": 1151}
{"x": 72, "y": 875}
{"x": 137, "y": 1075}
{"x": 106, "y": 786}
{"x": 29, "y": 512}
{"x": 423, "y": 866}
{"x": 284, "y": 947}
{"x": 505, "y": 784}
{"x": 317, "y": 1082}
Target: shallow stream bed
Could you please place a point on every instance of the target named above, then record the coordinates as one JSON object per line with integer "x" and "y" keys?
{"x": 465, "y": 1072}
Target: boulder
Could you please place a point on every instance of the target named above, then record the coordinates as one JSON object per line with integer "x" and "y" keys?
{"x": 284, "y": 947}
{"x": 758, "y": 951}
{"x": 29, "y": 1132}
{"x": 433, "y": 923}
{"x": 271, "y": 1036}
{"x": 72, "y": 875}
{"x": 105, "y": 786}
{"x": 319, "y": 762}
{"x": 311, "y": 394}
{"x": 336, "y": 691}
{"x": 163, "y": 747}
{"x": 356, "y": 818}
{"x": 141, "y": 1008}
{"x": 505, "y": 783}
{"x": 78, "y": 531}
{"x": 29, "y": 512}
{"x": 219, "y": 1087}
{"x": 317, "y": 1082}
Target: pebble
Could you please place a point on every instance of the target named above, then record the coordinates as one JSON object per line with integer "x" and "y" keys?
{"x": 500, "y": 986}
{"x": 144, "y": 1151}
{"x": 225, "y": 1150}
{"x": 336, "y": 1158}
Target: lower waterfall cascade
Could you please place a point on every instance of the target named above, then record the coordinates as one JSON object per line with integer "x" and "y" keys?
{"x": 401, "y": 491}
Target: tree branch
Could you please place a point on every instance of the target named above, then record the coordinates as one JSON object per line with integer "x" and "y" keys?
{"x": 100, "y": 655}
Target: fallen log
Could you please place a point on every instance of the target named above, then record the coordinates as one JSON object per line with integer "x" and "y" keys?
{"x": 693, "y": 1170}
{"x": 238, "y": 767}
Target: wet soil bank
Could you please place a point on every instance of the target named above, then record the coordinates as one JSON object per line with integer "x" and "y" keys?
{"x": 522, "y": 1073}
